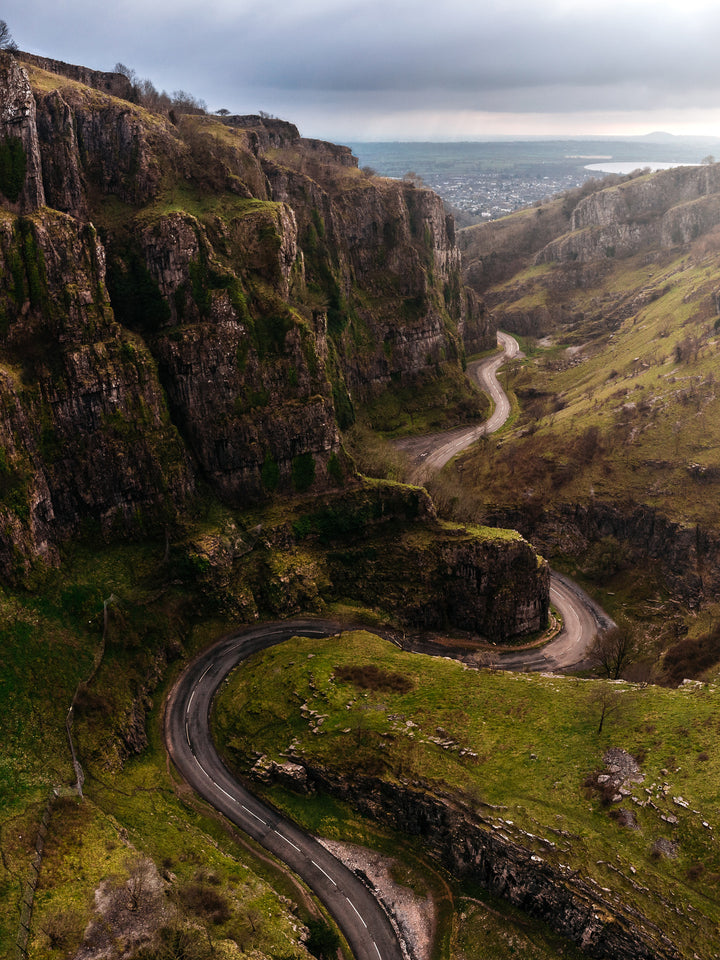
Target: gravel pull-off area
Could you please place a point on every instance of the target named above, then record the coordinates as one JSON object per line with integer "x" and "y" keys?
{"x": 413, "y": 916}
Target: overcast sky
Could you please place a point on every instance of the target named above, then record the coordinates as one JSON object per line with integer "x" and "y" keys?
{"x": 408, "y": 69}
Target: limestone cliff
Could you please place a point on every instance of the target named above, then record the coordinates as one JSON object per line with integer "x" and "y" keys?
{"x": 658, "y": 210}
{"x": 189, "y": 303}
{"x": 532, "y": 267}
{"x": 480, "y": 845}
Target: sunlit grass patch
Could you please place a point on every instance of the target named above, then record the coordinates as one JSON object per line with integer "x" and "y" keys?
{"x": 523, "y": 744}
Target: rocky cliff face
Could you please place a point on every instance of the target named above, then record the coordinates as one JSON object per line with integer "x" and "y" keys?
{"x": 662, "y": 210}
{"x": 473, "y": 843}
{"x": 195, "y": 301}
{"x": 386, "y": 547}
{"x": 580, "y": 236}
{"x": 77, "y": 394}
{"x": 21, "y": 180}
{"x": 687, "y": 556}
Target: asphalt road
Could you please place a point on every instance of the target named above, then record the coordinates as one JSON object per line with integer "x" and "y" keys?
{"x": 189, "y": 742}
{"x": 431, "y": 452}
{"x": 582, "y": 620}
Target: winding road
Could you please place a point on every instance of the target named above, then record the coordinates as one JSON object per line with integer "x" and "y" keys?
{"x": 365, "y": 925}
{"x": 431, "y": 452}
{"x": 187, "y": 733}
{"x": 582, "y": 618}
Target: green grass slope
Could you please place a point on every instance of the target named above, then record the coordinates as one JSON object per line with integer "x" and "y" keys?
{"x": 525, "y": 750}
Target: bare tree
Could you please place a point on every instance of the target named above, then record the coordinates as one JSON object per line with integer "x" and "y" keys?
{"x": 605, "y": 700}
{"x": 184, "y": 102}
{"x": 6, "y": 40}
{"x": 612, "y": 651}
{"x": 125, "y": 71}
{"x": 140, "y": 882}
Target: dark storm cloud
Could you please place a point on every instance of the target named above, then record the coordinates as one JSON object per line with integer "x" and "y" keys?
{"x": 391, "y": 54}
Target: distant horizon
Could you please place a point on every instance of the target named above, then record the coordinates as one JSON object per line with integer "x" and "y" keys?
{"x": 517, "y": 137}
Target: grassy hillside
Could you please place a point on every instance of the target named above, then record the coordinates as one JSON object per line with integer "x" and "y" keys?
{"x": 138, "y": 852}
{"x": 617, "y": 405}
{"x": 645, "y": 383}
{"x": 524, "y": 751}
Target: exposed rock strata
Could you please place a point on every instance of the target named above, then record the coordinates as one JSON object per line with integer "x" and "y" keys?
{"x": 244, "y": 288}
{"x": 468, "y": 843}
{"x": 18, "y": 123}
{"x": 667, "y": 209}
{"x": 687, "y": 555}
{"x": 115, "y": 84}
{"x": 76, "y": 394}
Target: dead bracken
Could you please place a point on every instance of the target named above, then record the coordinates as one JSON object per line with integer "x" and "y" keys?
{"x": 371, "y": 677}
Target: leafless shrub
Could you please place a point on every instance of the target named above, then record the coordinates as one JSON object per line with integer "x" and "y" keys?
{"x": 176, "y": 942}
{"x": 375, "y": 456}
{"x": 204, "y": 901}
{"x": 612, "y": 651}
{"x": 140, "y": 882}
{"x": 61, "y": 927}
{"x": 455, "y": 500}
{"x": 604, "y": 701}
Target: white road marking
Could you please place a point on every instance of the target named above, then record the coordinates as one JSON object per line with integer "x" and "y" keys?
{"x": 248, "y": 810}
{"x": 283, "y": 837}
{"x": 203, "y": 674}
{"x": 228, "y": 795}
{"x": 191, "y": 698}
{"x": 322, "y": 871}
{"x": 214, "y": 782}
{"x": 187, "y": 734}
{"x": 356, "y": 911}
{"x": 377, "y": 950}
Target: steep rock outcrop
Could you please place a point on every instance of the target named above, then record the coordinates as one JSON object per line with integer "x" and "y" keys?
{"x": 387, "y": 252}
{"x": 97, "y": 142}
{"x": 114, "y": 84}
{"x": 434, "y": 575}
{"x": 77, "y": 394}
{"x": 468, "y": 842}
{"x": 665, "y": 209}
{"x": 686, "y": 555}
{"x": 62, "y": 175}
{"x": 22, "y": 184}
{"x": 248, "y": 422}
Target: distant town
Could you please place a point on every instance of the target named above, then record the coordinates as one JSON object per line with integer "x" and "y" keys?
{"x": 487, "y": 180}
{"x": 490, "y": 196}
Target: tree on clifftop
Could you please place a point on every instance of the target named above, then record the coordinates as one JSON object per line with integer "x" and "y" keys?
{"x": 6, "y": 40}
{"x": 612, "y": 651}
